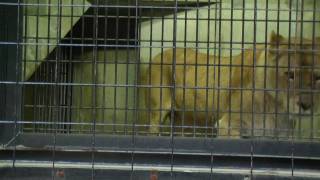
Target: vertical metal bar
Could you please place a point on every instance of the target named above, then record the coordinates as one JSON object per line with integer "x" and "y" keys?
{"x": 196, "y": 72}
{"x": 114, "y": 119}
{"x": 40, "y": 77}
{"x": 209, "y": 119}
{"x": 242, "y": 65}
{"x": 18, "y": 76}
{"x": 300, "y": 76}
{"x": 215, "y": 117}
{"x": 219, "y": 61}
{"x": 161, "y": 68}
{"x": 94, "y": 80}
{"x": 183, "y": 115}
{"x": 24, "y": 60}
{"x": 62, "y": 89}
{"x": 136, "y": 91}
{"x": 37, "y": 102}
{"x": 207, "y": 72}
{"x": 3, "y": 73}
{"x": 265, "y": 68}
{"x": 56, "y": 86}
{"x": 48, "y": 88}
{"x": 105, "y": 62}
{"x": 277, "y": 72}
{"x": 230, "y": 68}
{"x": 211, "y": 166}
{"x": 150, "y": 68}
{"x": 127, "y": 71}
{"x": 294, "y": 86}
{"x": 288, "y": 88}
{"x": 173, "y": 85}
{"x": 253, "y": 86}
{"x": 35, "y": 89}
{"x": 70, "y": 74}
{"x": 82, "y": 127}
{"x": 311, "y": 137}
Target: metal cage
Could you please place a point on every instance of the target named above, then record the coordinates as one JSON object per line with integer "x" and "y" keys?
{"x": 83, "y": 89}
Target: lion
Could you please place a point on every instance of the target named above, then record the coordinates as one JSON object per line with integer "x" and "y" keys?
{"x": 260, "y": 92}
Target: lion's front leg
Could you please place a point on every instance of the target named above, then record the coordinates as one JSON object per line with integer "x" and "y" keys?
{"x": 229, "y": 126}
{"x": 160, "y": 103}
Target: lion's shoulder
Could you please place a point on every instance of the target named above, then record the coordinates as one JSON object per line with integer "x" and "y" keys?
{"x": 243, "y": 66}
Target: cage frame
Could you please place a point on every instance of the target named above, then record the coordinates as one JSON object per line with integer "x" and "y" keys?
{"x": 19, "y": 149}
{"x": 207, "y": 156}
{"x": 12, "y": 56}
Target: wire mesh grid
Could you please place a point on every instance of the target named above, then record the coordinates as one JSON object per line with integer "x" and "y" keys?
{"x": 178, "y": 72}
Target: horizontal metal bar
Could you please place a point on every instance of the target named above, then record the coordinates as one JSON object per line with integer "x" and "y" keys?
{"x": 67, "y": 167}
{"x": 185, "y": 5}
{"x": 156, "y": 86}
{"x": 267, "y": 148}
{"x": 207, "y": 156}
{"x": 83, "y": 174}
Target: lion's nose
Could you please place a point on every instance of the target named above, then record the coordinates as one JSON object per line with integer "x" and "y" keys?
{"x": 304, "y": 105}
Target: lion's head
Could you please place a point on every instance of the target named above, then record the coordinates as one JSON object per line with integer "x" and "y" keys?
{"x": 292, "y": 76}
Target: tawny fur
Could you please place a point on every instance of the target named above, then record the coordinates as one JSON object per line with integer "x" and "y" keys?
{"x": 229, "y": 91}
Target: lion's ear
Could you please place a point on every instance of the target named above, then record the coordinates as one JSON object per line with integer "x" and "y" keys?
{"x": 275, "y": 39}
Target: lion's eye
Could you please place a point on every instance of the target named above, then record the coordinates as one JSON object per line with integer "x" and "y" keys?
{"x": 290, "y": 75}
